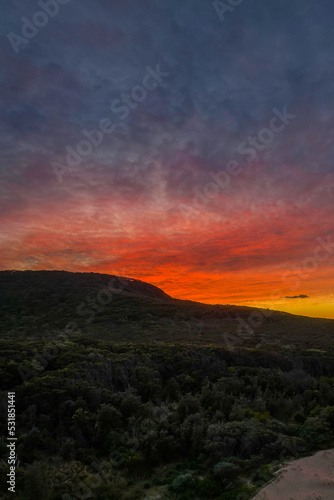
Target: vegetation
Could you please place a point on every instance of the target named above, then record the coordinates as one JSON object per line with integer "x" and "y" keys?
{"x": 39, "y": 305}
{"x": 198, "y": 422}
{"x": 140, "y": 420}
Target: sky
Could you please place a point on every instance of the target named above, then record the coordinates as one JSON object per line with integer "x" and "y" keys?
{"x": 187, "y": 143}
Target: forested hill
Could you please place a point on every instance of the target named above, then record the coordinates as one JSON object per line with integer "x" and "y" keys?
{"x": 147, "y": 397}
{"x": 40, "y": 283}
{"x": 39, "y": 304}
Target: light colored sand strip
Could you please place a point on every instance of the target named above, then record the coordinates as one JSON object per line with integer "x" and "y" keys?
{"x": 310, "y": 478}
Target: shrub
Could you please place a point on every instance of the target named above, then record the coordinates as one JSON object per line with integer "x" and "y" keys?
{"x": 182, "y": 482}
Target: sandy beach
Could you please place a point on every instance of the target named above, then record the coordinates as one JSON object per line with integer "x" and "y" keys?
{"x": 310, "y": 478}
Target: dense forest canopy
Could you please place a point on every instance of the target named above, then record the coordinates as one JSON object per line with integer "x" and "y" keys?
{"x": 166, "y": 406}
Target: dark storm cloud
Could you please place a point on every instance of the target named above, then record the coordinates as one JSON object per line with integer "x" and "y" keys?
{"x": 230, "y": 75}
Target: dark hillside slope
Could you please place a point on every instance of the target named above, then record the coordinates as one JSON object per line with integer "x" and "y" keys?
{"x": 37, "y": 304}
{"x": 63, "y": 283}
{"x": 145, "y": 398}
